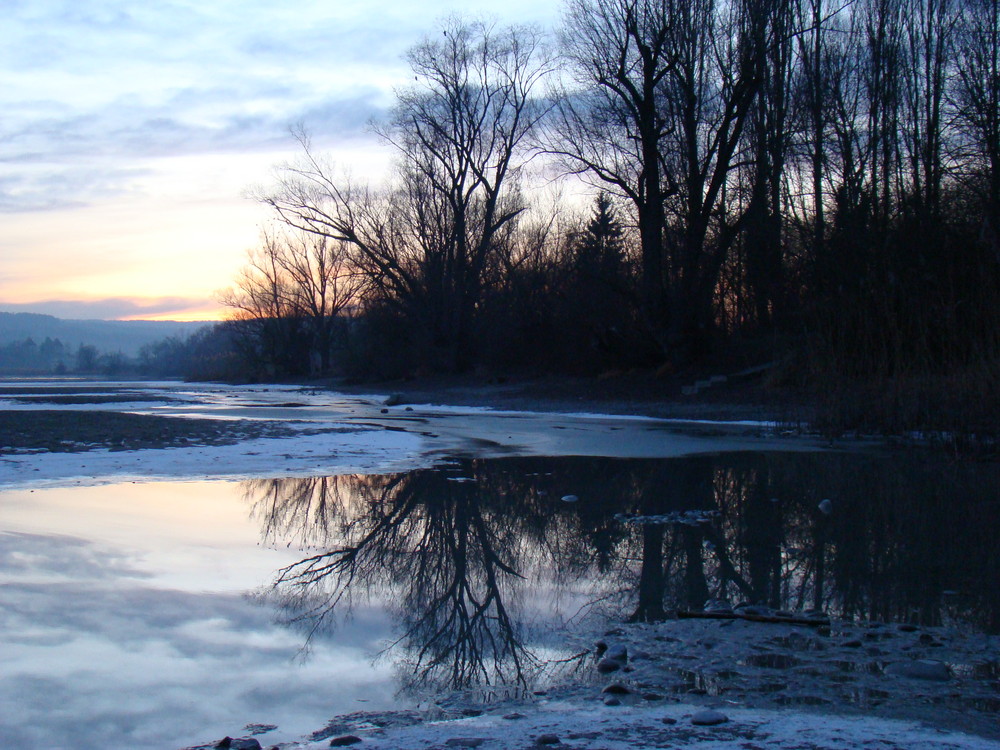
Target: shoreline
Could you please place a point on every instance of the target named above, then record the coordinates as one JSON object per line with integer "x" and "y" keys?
{"x": 686, "y": 664}
{"x": 672, "y": 690}
{"x": 625, "y": 394}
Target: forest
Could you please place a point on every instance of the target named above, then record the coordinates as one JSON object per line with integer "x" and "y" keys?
{"x": 669, "y": 185}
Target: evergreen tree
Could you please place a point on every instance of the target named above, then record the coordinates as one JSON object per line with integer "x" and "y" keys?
{"x": 599, "y": 251}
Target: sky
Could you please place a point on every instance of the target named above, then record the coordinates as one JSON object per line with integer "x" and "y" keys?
{"x": 132, "y": 132}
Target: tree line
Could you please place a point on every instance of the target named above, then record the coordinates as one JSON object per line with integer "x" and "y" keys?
{"x": 52, "y": 356}
{"x": 821, "y": 177}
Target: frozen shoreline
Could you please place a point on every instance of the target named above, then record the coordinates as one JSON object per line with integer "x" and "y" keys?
{"x": 644, "y": 706}
{"x": 572, "y": 724}
{"x": 335, "y": 434}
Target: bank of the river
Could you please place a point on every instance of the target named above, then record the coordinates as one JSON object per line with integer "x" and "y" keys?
{"x": 155, "y": 430}
{"x": 641, "y": 393}
{"x": 778, "y": 685}
{"x": 944, "y": 412}
{"x": 719, "y": 683}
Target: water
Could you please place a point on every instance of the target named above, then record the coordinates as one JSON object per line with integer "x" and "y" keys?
{"x": 175, "y": 613}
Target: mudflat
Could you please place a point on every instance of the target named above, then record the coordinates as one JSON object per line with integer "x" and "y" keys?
{"x": 58, "y": 431}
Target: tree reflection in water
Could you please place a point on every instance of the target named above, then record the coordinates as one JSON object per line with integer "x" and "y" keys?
{"x": 448, "y": 553}
{"x": 468, "y": 562}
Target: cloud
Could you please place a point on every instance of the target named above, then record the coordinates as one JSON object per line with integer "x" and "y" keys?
{"x": 108, "y": 83}
{"x": 110, "y": 664}
{"x": 76, "y": 160}
{"x": 128, "y": 122}
{"x": 41, "y": 554}
{"x": 29, "y": 187}
{"x": 112, "y": 308}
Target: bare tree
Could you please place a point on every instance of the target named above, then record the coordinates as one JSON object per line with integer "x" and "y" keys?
{"x": 882, "y": 26}
{"x": 928, "y": 49}
{"x": 268, "y": 326}
{"x": 612, "y": 119}
{"x": 323, "y": 281}
{"x": 665, "y": 91}
{"x": 295, "y": 286}
{"x": 769, "y": 135}
{"x": 459, "y": 134}
{"x": 977, "y": 96}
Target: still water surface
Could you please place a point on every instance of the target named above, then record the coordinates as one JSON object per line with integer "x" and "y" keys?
{"x": 166, "y": 614}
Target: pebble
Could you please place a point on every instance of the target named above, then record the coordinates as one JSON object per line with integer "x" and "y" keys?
{"x": 260, "y": 728}
{"x": 345, "y": 740}
{"x": 472, "y": 711}
{"x": 652, "y": 697}
{"x": 668, "y": 720}
{"x": 547, "y": 739}
{"x": 228, "y": 743}
{"x": 465, "y": 741}
{"x": 612, "y": 701}
{"x": 618, "y": 652}
{"x": 569, "y": 498}
{"x": 616, "y": 688}
{"x": 513, "y": 716}
{"x": 709, "y": 718}
{"x": 606, "y": 665}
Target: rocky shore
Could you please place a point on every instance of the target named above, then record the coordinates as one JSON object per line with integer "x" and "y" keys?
{"x": 746, "y": 681}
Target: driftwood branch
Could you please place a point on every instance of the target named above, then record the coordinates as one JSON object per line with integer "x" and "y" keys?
{"x": 812, "y": 622}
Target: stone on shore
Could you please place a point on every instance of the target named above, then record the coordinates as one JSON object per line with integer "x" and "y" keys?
{"x": 228, "y": 743}
{"x": 616, "y": 688}
{"x": 605, "y": 666}
{"x": 345, "y": 740}
{"x": 709, "y": 718}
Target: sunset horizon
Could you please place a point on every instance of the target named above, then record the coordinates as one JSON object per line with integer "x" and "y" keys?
{"x": 134, "y": 136}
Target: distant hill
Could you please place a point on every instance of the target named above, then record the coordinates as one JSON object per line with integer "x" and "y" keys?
{"x": 125, "y": 336}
